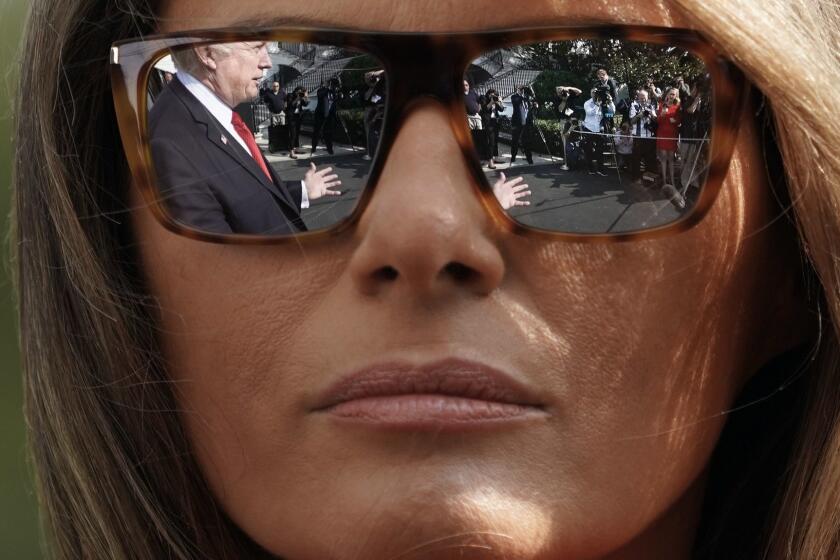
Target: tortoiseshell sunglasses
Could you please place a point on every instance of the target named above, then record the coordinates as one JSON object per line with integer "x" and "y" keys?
{"x": 603, "y": 133}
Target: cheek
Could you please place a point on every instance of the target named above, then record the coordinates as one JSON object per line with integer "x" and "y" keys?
{"x": 234, "y": 321}
{"x": 651, "y": 341}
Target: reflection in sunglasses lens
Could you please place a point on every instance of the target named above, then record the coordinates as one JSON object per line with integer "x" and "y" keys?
{"x": 264, "y": 139}
{"x": 592, "y": 136}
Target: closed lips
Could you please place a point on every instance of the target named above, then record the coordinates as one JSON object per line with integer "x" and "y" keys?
{"x": 449, "y": 392}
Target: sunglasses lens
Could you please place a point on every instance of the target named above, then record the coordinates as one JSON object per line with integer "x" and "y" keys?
{"x": 593, "y": 136}
{"x": 263, "y": 139}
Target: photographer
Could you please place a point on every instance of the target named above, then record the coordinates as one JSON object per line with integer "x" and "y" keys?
{"x": 491, "y": 110}
{"x": 279, "y": 137}
{"x": 643, "y": 126}
{"x": 682, "y": 87}
{"x": 326, "y": 115}
{"x": 522, "y": 123}
{"x": 696, "y": 120}
{"x": 564, "y": 101}
{"x": 374, "y": 102}
{"x": 296, "y": 103}
{"x": 653, "y": 92}
{"x": 598, "y": 111}
{"x": 603, "y": 80}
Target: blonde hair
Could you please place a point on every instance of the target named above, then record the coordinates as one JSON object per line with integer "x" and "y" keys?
{"x": 802, "y": 40}
{"x": 116, "y": 478}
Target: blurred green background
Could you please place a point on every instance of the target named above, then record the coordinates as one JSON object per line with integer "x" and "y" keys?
{"x": 19, "y": 537}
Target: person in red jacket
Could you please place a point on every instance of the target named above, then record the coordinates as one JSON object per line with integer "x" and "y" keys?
{"x": 666, "y": 135}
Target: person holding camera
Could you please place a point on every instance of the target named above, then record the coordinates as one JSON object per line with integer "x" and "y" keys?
{"x": 564, "y": 100}
{"x": 654, "y": 93}
{"x": 522, "y": 123}
{"x": 374, "y": 102}
{"x": 326, "y": 115}
{"x": 604, "y": 80}
{"x": 694, "y": 133}
{"x": 683, "y": 89}
{"x": 599, "y": 109}
{"x": 668, "y": 129}
{"x": 643, "y": 126}
{"x": 491, "y": 111}
{"x": 296, "y": 103}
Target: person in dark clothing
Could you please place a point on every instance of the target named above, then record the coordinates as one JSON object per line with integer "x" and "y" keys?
{"x": 522, "y": 123}
{"x": 279, "y": 131}
{"x": 326, "y": 115}
{"x": 374, "y": 102}
{"x": 491, "y": 111}
{"x": 210, "y": 170}
{"x": 472, "y": 105}
{"x": 694, "y": 137}
{"x": 296, "y": 103}
{"x": 603, "y": 79}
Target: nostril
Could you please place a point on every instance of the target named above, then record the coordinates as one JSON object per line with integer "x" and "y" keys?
{"x": 460, "y": 272}
{"x": 386, "y": 274}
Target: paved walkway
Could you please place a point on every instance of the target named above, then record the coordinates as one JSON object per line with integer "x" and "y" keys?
{"x": 571, "y": 201}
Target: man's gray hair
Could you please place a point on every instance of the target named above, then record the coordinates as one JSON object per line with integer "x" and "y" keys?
{"x": 187, "y": 59}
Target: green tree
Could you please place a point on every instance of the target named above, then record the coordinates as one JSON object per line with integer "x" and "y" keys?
{"x": 627, "y": 61}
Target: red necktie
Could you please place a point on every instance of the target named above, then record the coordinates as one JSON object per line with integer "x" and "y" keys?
{"x": 243, "y": 131}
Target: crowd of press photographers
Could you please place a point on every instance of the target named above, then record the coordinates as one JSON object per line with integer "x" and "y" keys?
{"x": 287, "y": 112}
{"x": 647, "y": 131}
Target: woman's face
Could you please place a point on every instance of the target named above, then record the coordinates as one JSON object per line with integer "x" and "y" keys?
{"x": 671, "y": 98}
{"x": 630, "y": 351}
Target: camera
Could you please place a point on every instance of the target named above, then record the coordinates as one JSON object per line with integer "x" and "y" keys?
{"x": 602, "y": 94}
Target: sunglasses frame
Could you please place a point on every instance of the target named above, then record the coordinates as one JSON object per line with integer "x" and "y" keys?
{"x": 421, "y": 66}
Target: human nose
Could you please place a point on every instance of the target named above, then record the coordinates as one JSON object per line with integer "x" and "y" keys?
{"x": 265, "y": 59}
{"x": 425, "y": 231}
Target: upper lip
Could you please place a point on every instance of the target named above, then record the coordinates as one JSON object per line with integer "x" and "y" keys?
{"x": 450, "y": 377}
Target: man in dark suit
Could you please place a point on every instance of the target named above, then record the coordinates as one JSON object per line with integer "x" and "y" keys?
{"x": 211, "y": 175}
{"x": 326, "y": 116}
{"x": 522, "y": 122}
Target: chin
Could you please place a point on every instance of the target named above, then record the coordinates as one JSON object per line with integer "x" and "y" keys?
{"x": 436, "y": 521}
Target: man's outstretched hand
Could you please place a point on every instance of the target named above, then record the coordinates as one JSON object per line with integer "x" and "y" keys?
{"x": 511, "y": 193}
{"x": 321, "y": 183}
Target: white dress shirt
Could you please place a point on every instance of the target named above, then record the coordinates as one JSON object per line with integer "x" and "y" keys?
{"x": 641, "y": 128}
{"x": 594, "y": 115}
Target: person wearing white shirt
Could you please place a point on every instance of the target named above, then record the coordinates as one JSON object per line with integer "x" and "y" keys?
{"x": 643, "y": 128}
{"x": 593, "y": 125}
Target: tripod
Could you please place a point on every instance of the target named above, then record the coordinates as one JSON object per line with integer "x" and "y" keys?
{"x": 696, "y": 157}
{"x": 346, "y": 133}
{"x": 608, "y": 126}
{"x": 545, "y": 143}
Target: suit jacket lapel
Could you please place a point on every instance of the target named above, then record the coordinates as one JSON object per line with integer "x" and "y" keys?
{"x": 215, "y": 133}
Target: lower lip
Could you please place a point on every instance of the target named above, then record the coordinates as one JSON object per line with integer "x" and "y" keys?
{"x": 433, "y": 412}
